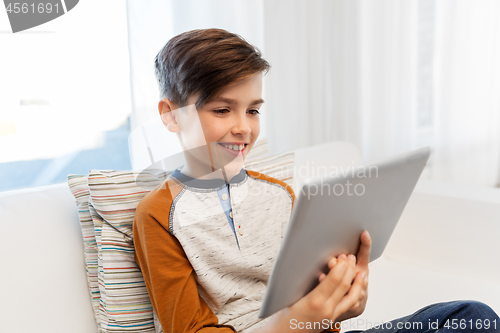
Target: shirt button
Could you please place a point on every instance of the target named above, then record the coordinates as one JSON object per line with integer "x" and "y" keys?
{"x": 231, "y": 214}
{"x": 224, "y": 196}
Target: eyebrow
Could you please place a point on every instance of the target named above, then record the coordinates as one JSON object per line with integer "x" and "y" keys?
{"x": 232, "y": 101}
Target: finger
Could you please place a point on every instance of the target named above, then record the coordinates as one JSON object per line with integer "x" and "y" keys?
{"x": 352, "y": 258}
{"x": 365, "y": 290}
{"x": 332, "y": 262}
{"x": 354, "y": 297}
{"x": 365, "y": 281}
{"x": 358, "y": 286}
{"x": 347, "y": 281}
{"x": 332, "y": 280}
{"x": 365, "y": 287}
{"x": 363, "y": 255}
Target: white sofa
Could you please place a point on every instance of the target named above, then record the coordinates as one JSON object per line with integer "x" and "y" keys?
{"x": 445, "y": 247}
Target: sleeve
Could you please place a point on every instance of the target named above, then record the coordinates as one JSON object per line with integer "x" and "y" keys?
{"x": 170, "y": 279}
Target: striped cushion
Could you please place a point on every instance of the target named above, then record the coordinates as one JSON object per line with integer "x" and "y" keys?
{"x": 259, "y": 149}
{"x": 98, "y": 222}
{"x": 79, "y": 187}
{"x": 106, "y": 208}
{"x": 125, "y": 304}
{"x": 279, "y": 166}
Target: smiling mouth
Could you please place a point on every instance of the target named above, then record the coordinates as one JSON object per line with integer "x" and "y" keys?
{"x": 233, "y": 148}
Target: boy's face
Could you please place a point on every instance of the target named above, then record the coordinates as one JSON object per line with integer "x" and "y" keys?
{"x": 231, "y": 118}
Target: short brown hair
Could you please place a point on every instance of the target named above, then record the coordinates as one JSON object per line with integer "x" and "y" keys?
{"x": 204, "y": 61}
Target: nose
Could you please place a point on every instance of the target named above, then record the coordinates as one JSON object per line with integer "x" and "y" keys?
{"x": 241, "y": 125}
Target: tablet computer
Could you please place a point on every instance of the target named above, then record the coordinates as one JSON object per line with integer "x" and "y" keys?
{"x": 329, "y": 216}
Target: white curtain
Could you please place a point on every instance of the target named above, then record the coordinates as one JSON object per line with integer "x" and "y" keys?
{"x": 467, "y": 106}
{"x": 387, "y": 75}
{"x": 342, "y": 70}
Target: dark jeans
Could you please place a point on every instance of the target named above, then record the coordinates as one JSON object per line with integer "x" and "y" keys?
{"x": 456, "y": 316}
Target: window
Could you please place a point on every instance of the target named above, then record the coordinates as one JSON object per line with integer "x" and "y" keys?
{"x": 65, "y": 102}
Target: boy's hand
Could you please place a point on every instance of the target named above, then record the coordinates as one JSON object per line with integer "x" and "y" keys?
{"x": 337, "y": 292}
{"x": 363, "y": 258}
{"x": 341, "y": 294}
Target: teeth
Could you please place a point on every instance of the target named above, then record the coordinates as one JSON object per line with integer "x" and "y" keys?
{"x": 234, "y": 147}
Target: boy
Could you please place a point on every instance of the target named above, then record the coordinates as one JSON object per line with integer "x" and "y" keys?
{"x": 207, "y": 238}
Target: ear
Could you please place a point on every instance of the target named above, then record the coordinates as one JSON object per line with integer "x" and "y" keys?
{"x": 168, "y": 118}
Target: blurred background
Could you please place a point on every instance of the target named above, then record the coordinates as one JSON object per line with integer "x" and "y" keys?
{"x": 78, "y": 93}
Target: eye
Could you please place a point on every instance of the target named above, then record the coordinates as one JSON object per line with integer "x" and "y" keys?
{"x": 221, "y": 111}
{"x": 255, "y": 112}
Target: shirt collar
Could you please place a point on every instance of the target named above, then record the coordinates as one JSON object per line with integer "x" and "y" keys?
{"x": 207, "y": 183}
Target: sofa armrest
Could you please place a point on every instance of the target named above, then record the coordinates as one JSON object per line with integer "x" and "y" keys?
{"x": 44, "y": 279}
